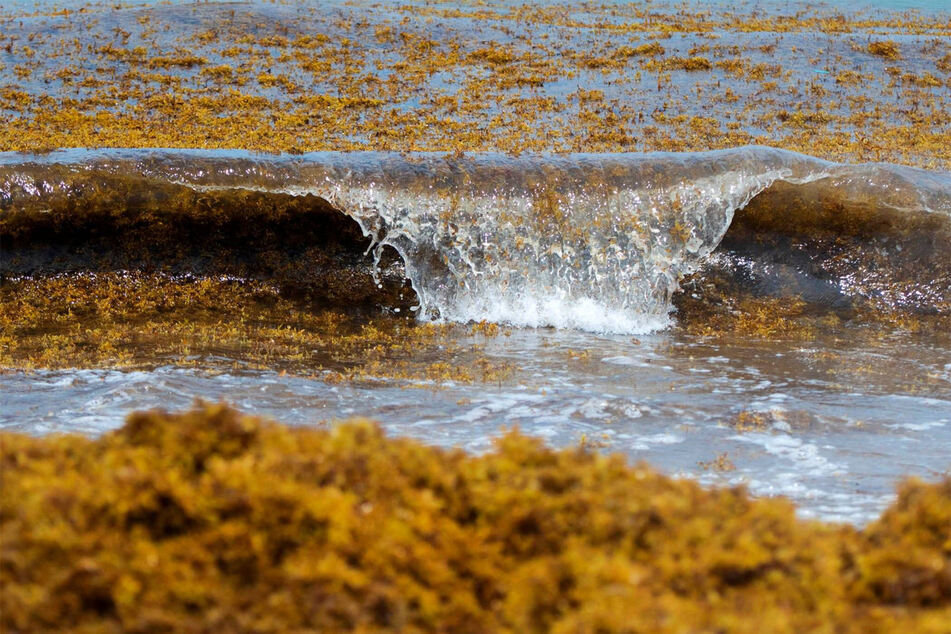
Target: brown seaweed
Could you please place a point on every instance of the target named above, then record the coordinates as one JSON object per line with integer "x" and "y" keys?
{"x": 211, "y": 521}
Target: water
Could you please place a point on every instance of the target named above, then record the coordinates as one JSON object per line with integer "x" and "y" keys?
{"x": 832, "y": 427}
{"x": 600, "y": 266}
{"x": 928, "y": 6}
{"x": 830, "y": 418}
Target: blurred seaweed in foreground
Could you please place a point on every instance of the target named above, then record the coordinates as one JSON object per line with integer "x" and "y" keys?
{"x": 211, "y": 521}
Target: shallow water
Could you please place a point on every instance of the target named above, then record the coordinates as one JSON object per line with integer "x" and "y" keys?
{"x": 829, "y": 425}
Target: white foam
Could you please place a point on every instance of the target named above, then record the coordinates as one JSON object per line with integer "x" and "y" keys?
{"x": 538, "y": 311}
{"x": 918, "y": 426}
{"x": 806, "y": 456}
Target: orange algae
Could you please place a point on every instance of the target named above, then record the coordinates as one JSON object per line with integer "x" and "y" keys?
{"x": 211, "y": 521}
{"x": 140, "y": 320}
{"x": 886, "y": 49}
{"x": 279, "y": 91}
{"x": 752, "y": 317}
{"x": 683, "y": 63}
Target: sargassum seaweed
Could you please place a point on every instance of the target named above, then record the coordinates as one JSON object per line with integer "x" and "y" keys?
{"x": 213, "y": 521}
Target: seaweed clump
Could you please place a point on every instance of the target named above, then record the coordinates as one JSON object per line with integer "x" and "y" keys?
{"x": 138, "y": 320}
{"x": 211, "y": 521}
{"x": 886, "y": 49}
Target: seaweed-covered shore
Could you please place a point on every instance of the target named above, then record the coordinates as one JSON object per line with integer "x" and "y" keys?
{"x": 212, "y": 521}
{"x": 808, "y": 359}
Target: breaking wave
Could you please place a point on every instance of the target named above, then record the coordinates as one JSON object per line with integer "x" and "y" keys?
{"x": 598, "y": 242}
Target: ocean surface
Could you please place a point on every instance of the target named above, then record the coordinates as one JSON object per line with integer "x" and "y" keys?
{"x": 927, "y": 6}
{"x": 588, "y": 262}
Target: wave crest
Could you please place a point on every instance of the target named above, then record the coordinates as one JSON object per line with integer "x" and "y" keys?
{"x": 595, "y": 242}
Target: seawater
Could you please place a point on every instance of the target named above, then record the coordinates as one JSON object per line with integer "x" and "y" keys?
{"x": 830, "y": 423}
{"x": 839, "y": 425}
{"x": 925, "y": 6}
{"x": 834, "y": 424}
